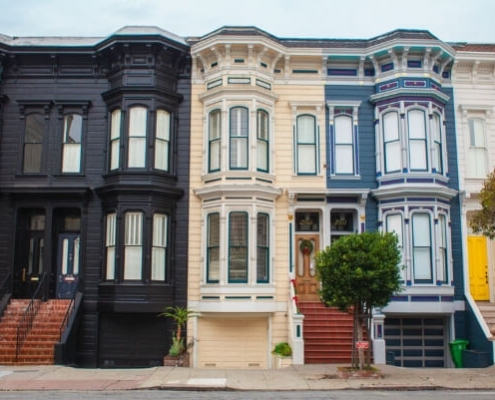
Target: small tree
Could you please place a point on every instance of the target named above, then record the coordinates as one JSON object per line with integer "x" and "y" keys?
{"x": 180, "y": 315}
{"x": 358, "y": 273}
{"x": 483, "y": 220}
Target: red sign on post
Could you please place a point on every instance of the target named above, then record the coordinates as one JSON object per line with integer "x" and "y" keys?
{"x": 362, "y": 345}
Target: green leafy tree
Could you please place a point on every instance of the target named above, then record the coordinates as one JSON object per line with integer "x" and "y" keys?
{"x": 358, "y": 273}
{"x": 483, "y": 220}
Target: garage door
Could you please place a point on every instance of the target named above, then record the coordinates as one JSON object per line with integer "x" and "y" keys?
{"x": 416, "y": 342}
{"x": 232, "y": 342}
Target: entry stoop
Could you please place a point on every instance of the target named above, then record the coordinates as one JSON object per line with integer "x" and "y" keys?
{"x": 38, "y": 347}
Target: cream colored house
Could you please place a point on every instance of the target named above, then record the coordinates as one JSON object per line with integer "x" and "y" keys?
{"x": 257, "y": 138}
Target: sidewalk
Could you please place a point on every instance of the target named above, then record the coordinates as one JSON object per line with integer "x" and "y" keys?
{"x": 302, "y": 377}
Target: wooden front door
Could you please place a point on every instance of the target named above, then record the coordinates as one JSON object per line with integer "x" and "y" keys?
{"x": 306, "y": 283}
{"x": 478, "y": 268}
{"x": 68, "y": 264}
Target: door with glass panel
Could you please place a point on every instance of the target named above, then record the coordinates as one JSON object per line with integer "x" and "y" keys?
{"x": 307, "y": 243}
{"x": 68, "y": 264}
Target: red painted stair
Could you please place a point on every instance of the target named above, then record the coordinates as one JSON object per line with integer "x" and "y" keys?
{"x": 38, "y": 347}
{"x": 327, "y": 334}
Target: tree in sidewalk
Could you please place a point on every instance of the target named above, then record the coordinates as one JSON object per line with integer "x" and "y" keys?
{"x": 483, "y": 220}
{"x": 360, "y": 272}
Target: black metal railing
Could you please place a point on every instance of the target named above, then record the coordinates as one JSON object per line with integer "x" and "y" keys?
{"x": 68, "y": 313}
{"x": 5, "y": 292}
{"x": 27, "y": 320}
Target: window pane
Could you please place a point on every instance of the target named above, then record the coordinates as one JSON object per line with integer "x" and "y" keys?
{"x": 32, "y": 157}
{"x": 33, "y": 142}
{"x": 392, "y": 157}
{"x": 72, "y": 128}
{"x": 442, "y": 251}
{"x": 71, "y": 161}
{"x": 421, "y": 232}
{"x": 262, "y": 148}
{"x": 163, "y": 125}
{"x": 306, "y": 129}
{"x": 238, "y": 250}
{"x": 417, "y": 155}
{"x": 158, "y": 264}
{"x": 161, "y": 155}
{"x": 115, "y": 128}
{"x": 437, "y": 144}
{"x": 262, "y": 256}
{"x": 390, "y": 126}
{"x": 214, "y": 156}
{"x": 213, "y": 248}
{"x": 393, "y": 223}
{"x": 238, "y": 153}
{"x": 416, "y": 124}
{"x": 306, "y": 159}
{"x": 262, "y": 125}
{"x": 137, "y": 121}
{"x": 133, "y": 260}
{"x": 133, "y": 228}
{"x": 137, "y": 152}
{"x": 344, "y": 160}
{"x": 238, "y": 122}
{"x": 343, "y": 130}
{"x": 214, "y": 141}
{"x": 115, "y": 140}
{"x": 159, "y": 250}
{"x": 110, "y": 245}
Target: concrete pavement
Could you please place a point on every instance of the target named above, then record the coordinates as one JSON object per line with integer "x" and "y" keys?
{"x": 301, "y": 377}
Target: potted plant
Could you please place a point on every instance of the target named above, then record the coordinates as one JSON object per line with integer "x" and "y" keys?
{"x": 283, "y": 352}
{"x": 177, "y": 354}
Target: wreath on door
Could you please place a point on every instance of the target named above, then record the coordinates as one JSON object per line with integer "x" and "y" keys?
{"x": 306, "y": 246}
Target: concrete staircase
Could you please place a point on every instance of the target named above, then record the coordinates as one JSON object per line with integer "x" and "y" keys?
{"x": 327, "y": 334}
{"x": 38, "y": 347}
{"x": 487, "y": 309}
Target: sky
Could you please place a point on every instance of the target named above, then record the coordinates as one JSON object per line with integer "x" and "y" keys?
{"x": 471, "y": 21}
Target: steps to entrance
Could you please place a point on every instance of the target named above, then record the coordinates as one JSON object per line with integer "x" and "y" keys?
{"x": 327, "y": 334}
{"x": 487, "y": 310}
{"x": 38, "y": 348}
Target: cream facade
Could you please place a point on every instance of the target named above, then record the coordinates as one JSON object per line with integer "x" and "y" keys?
{"x": 249, "y": 98}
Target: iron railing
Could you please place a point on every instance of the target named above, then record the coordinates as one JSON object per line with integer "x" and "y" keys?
{"x": 5, "y": 290}
{"x": 68, "y": 313}
{"x": 27, "y": 320}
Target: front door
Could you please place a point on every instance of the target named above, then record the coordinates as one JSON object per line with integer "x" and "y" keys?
{"x": 306, "y": 282}
{"x": 68, "y": 264}
{"x": 31, "y": 253}
{"x": 478, "y": 268}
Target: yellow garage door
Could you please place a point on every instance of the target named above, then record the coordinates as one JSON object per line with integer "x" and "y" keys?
{"x": 232, "y": 342}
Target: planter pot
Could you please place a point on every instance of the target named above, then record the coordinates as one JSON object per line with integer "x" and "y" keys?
{"x": 181, "y": 360}
{"x": 283, "y": 362}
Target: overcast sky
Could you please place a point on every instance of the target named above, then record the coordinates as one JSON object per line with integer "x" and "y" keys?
{"x": 450, "y": 20}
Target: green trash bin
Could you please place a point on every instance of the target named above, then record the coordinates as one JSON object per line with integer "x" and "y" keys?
{"x": 456, "y": 348}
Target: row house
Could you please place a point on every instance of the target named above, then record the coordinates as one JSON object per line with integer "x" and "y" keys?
{"x": 145, "y": 170}
{"x": 93, "y": 199}
{"x": 473, "y": 79}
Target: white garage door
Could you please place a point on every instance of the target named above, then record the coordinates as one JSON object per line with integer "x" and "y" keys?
{"x": 232, "y": 342}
